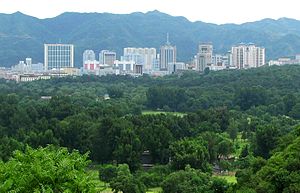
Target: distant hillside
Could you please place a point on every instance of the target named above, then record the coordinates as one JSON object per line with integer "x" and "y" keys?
{"x": 23, "y": 36}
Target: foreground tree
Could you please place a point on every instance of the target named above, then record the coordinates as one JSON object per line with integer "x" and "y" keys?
{"x": 279, "y": 174}
{"x": 126, "y": 182}
{"x": 46, "y": 169}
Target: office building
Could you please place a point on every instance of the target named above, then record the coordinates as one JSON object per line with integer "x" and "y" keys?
{"x": 107, "y": 57}
{"x": 247, "y": 56}
{"x": 58, "y": 56}
{"x": 167, "y": 55}
{"x": 141, "y": 56}
{"x": 204, "y": 56}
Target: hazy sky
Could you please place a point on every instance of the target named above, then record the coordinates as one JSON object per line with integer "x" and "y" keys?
{"x": 214, "y": 11}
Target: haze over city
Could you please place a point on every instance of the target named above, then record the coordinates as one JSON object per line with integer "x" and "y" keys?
{"x": 213, "y": 11}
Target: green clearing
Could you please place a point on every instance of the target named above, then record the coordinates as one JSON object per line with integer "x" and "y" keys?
{"x": 149, "y": 112}
{"x": 154, "y": 190}
{"x": 229, "y": 178}
{"x": 100, "y": 186}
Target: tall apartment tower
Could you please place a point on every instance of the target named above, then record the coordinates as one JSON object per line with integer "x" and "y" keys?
{"x": 57, "y": 56}
{"x": 167, "y": 55}
{"x": 88, "y": 55}
{"x": 204, "y": 56}
{"x": 107, "y": 57}
{"x": 247, "y": 56}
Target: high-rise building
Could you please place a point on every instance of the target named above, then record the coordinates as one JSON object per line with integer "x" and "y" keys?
{"x": 88, "y": 55}
{"x": 204, "y": 56}
{"x": 247, "y": 56}
{"x": 57, "y": 56}
{"x": 167, "y": 55}
{"x": 107, "y": 57}
{"x": 143, "y": 56}
{"x": 28, "y": 61}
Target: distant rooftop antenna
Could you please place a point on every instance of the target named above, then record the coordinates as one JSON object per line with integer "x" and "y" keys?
{"x": 168, "y": 42}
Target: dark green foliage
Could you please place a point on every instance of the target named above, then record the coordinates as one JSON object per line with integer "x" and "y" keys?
{"x": 232, "y": 130}
{"x": 115, "y": 91}
{"x": 45, "y": 170}
{"x": 107, "y": 173}
{"x": 279, "y": 174}
{"x": 129, "y": 149}
{"x": 219, "y": 185}
{"x": 8, "y": 145}
{"x": 206, "y": 71}
{"x": 253, "y": 96}
{"x": 245, "y": 152}
{"x": 154, "y": 176}
{"x": 166, "y": 97}
{"x": 295, "y": 111}
{"x": 191, "y": 152}
{"x": 265, "y": 140}
{"x": 190, "y": 181}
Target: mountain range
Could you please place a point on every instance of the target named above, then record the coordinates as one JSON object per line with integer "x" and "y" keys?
{"x": 23, "y": 36}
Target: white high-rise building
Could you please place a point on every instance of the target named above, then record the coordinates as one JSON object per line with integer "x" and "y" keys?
{"x": 28, "y": 61}
{"x": 57, "y": 56}
{"x": 88, "y": 55}
{"x": 143, "y": 56}
{"x": 204, "y": 56}
{"x": 107, "y": 57}
{"x": 167, "y": 55}
{"x": 247, "y": 56}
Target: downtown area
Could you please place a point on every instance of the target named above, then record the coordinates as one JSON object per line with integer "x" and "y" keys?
{"x": 59, "y": 61}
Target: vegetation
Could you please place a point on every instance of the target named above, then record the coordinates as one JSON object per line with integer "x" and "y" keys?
{"x": 45, "y": 170}
{"x": 243, "y": 123}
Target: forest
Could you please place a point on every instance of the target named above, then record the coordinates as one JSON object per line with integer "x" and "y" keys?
{"x": 199, "y": 129}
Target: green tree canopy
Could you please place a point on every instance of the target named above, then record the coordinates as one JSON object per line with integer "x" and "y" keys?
{"x": 191, "y": 152}
{"x": 126, "y": 182}
{"x": 47, "y": 170}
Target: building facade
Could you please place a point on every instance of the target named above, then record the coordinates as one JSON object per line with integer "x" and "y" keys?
{"x": 57, "y": 56}
{"x": 246, "y": 56}
{"x": 143, "y": 56}
{"x": 88, "y": 55}
{"x": 107, "y": 57}
{"x": 204, "y": 56}
{"x": 167, "y": 56}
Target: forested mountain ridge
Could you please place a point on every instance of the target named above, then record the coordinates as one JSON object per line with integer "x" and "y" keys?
{"x": 23, "y": 36}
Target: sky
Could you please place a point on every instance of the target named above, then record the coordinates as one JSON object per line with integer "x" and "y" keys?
{"x": 211, "y": 11}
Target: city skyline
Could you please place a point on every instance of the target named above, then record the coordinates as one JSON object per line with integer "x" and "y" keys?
{"x": 219, "y": 12}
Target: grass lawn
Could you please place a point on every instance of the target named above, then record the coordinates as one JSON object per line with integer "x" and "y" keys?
{"x": 100, "y": 186}
{"x": 229, "y": 178}
{"x": 149, "y": 112}
{"x": 154, "y": 190}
